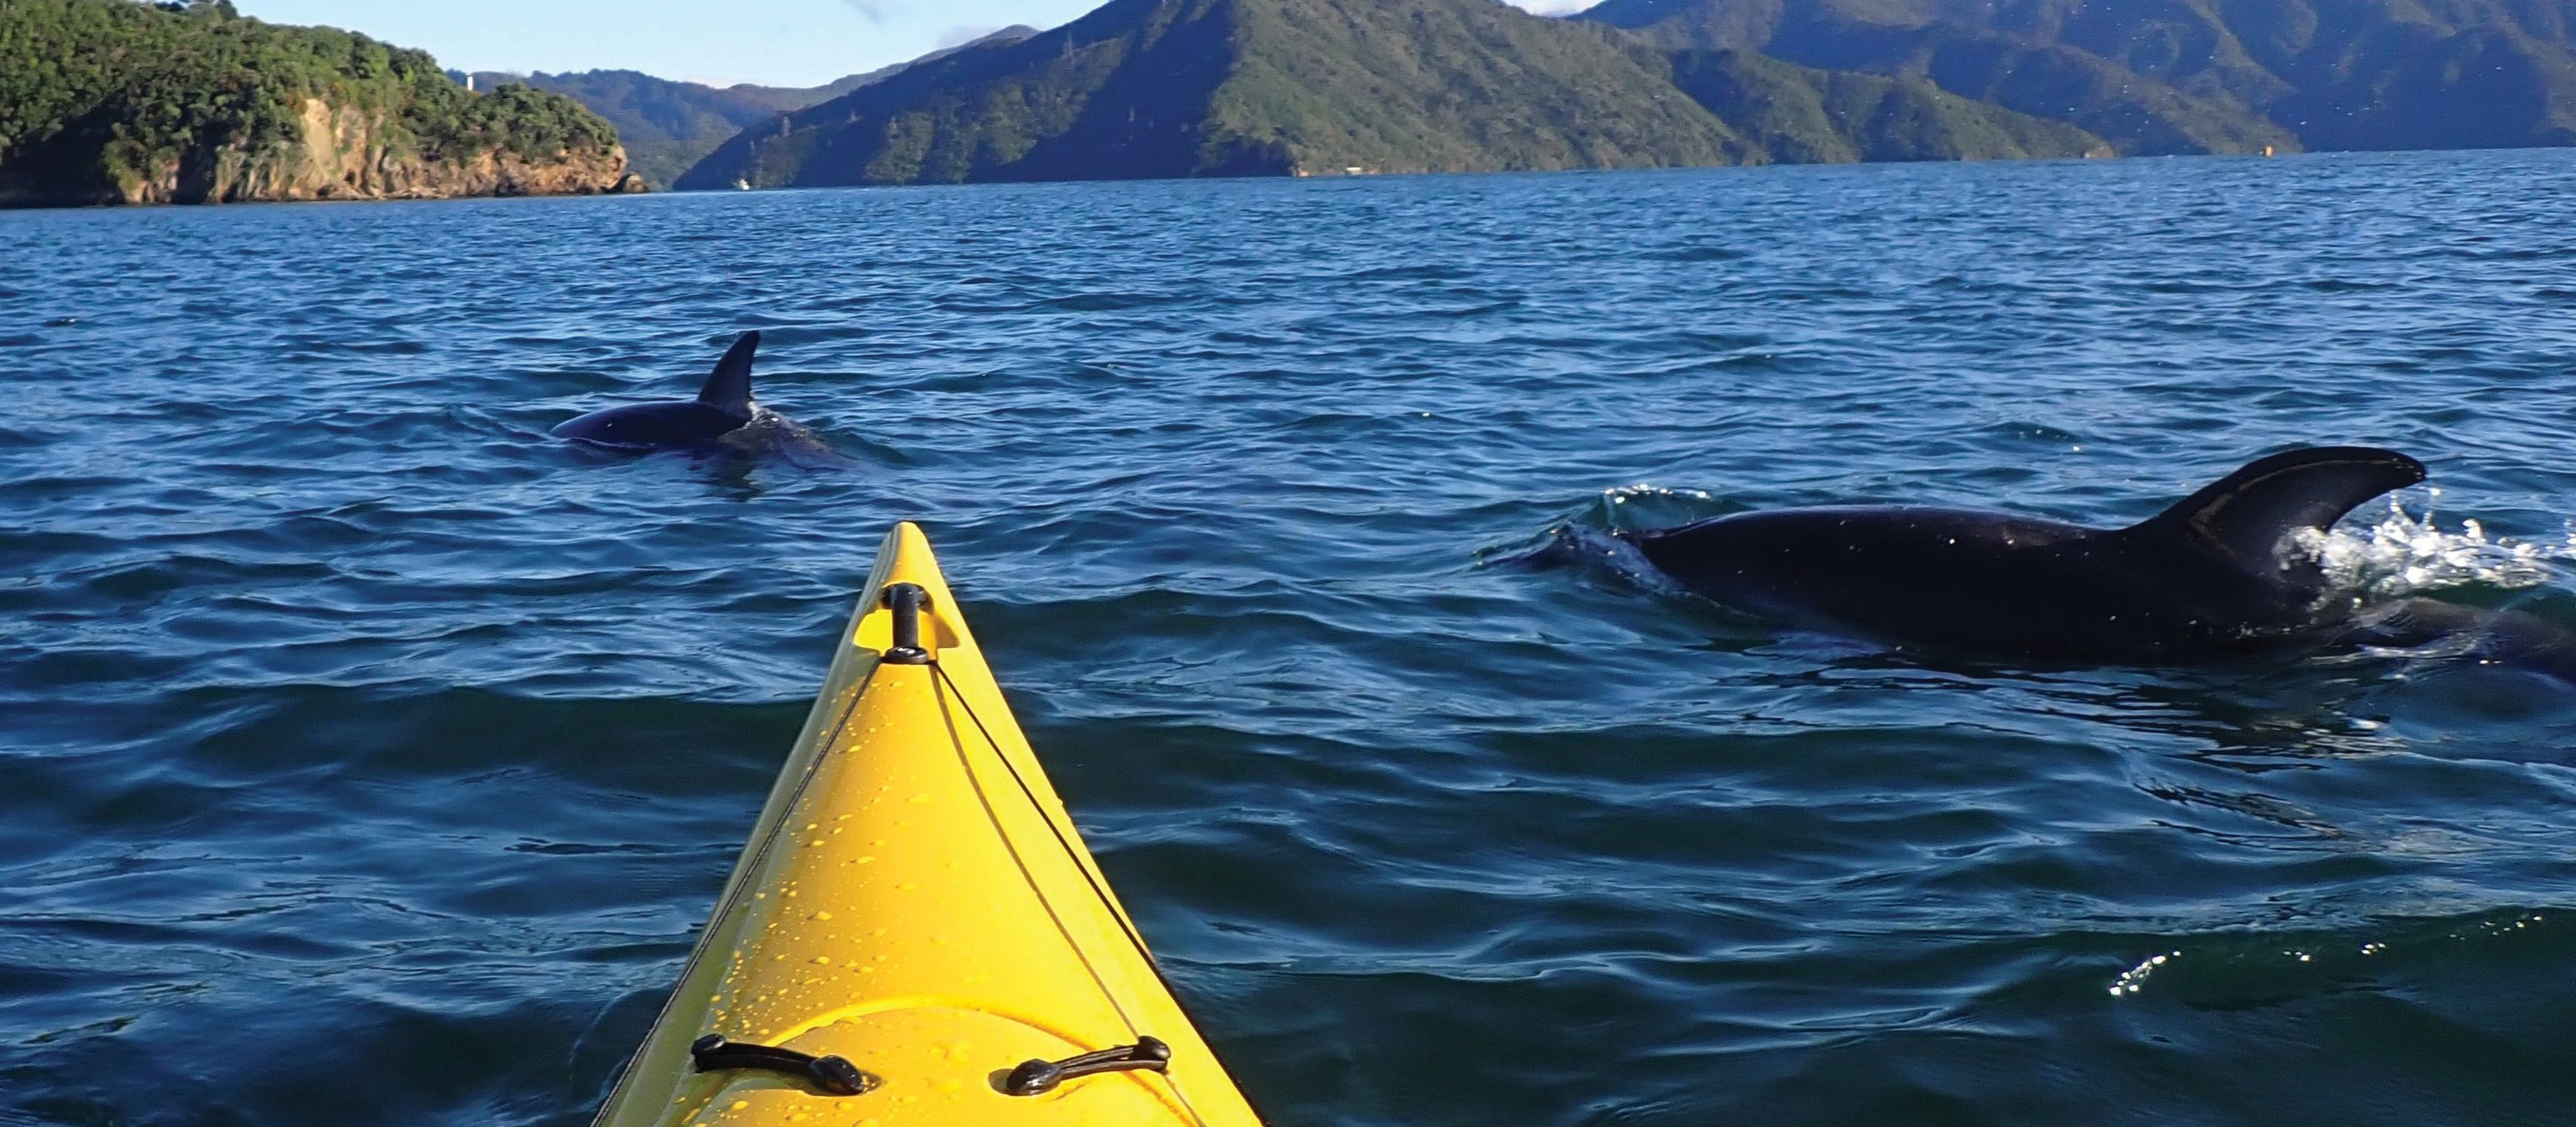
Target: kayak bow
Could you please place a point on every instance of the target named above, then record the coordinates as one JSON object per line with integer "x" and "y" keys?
{"x": 915, "y": 933}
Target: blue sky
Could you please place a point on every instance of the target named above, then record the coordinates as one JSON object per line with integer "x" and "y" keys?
{"x": 777, "y": 42}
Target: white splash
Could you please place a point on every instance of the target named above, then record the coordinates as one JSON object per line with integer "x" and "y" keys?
{"x": 1645, "y": 505}
{"x": 1621, "y": 495}
{"x": 2404, "y": 554}
{"x": 2134, "y": 979}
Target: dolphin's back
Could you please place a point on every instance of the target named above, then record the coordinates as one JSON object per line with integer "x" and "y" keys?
{"x": 650, "y": 426}
{"x": 2206, "y": 578}
{"x": 1944, "y": 577}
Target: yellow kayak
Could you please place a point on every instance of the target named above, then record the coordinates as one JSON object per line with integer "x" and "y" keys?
{"x": 915, "y": 933}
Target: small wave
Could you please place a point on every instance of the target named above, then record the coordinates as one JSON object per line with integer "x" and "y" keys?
{"x": 1703, "y": 253}
{"x": 2033, "y": 431}
{"x": 2252, "y": 969}
{"x": 1422, "y": 273}
{"x": 2346, "y": 285}
{"x": 1591, "y": 539}
{"x": 1108, "y": 302}
{"x": 2403, "y": 554}
{"x": 1652, "y": 506}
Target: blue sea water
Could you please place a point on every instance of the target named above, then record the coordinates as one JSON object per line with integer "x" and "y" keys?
{"x": 367, "y": 757}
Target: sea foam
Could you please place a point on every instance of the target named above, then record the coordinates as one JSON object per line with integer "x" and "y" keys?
{"x": 2402, "y": 554}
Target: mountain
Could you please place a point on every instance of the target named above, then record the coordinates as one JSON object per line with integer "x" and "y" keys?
{"x": 111, "y": 101}
{"x": 668, "y": 126}
{"x": 782, "y": 99}
{"x": 1160, "y": 88}
{"x": 2140, "y": 115}
{"x": 2164, "y": 76}
{"x": 1147, "y": 88}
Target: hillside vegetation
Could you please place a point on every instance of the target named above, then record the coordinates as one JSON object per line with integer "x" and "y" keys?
{"x": 1153, "y": 88}
{"x": 105, "y": 101}
{"x": 2177, "y": 76}
{"x": 1800, "y": 115}
{"x": 1442, "y": 86}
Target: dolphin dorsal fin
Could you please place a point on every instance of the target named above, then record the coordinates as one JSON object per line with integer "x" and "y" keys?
{"x": 2247, "y": 514}
{"x": 728, "y": 389}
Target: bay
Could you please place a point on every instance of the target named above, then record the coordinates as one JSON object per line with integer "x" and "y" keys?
{"x": 367, "y": 757}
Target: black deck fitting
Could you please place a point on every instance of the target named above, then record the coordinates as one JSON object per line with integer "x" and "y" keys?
{"x": 907, "y": 600}
{"x": 834, "y": 1075}
{"x": 1038, "y": 1076}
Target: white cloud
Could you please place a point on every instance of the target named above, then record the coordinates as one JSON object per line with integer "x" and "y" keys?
{"x": 876, "y": 11}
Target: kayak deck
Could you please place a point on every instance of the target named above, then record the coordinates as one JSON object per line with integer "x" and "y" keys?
{"x": 914, "y": 901}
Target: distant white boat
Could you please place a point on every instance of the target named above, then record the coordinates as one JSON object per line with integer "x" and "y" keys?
{"x": 741, "y": 185}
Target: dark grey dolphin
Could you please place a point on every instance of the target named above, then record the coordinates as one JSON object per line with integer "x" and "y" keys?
{"x": 2215, "y": 576}
{"x": 723, "y": 406}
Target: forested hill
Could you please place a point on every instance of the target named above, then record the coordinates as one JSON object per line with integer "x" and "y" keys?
{"x": 668, "y": 126}
{"x": 1146, "y": 88}
{"x": 108, "y": 101}
{"x": 2181, "y": 76}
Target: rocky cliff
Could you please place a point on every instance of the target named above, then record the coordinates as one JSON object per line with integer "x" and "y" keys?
{"x": 350, "y": 153}
{"x": 110, "y": 101}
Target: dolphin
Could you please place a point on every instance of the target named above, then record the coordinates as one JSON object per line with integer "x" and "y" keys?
{"x": 723, "y": 406}
{"x": 2218, "y": 575}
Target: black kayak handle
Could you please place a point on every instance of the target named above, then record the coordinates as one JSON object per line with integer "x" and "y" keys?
{"x": 1036, "y": 1077}
{"x": 906, "y": 600}
{"x": 835, "y": 1075}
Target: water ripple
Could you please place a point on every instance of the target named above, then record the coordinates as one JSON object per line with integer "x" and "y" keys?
{"x": 350, "y": 718}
